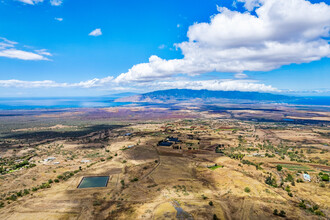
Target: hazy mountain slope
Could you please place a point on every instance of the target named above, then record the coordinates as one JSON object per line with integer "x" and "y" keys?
{"x": 188, "y": 94}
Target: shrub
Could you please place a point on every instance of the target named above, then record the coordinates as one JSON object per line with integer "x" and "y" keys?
{"x": 135, "y": 179}
{"x": 287, "y": 188}
{"x": 2, "y": 204}
{"x": 322, "y": 185}
{"x": 96, "y": 203}
{"x": 34, "y": 189}
{"x": 12, "y": 197}
{"x": 271, "y": 181}
{"x": 319, "y": 212}
{"x": 19, "y": 194}
{"x": 26, "y": 191}
{"x": 247, "y": 189}
{"x": 56, "y": 180}
{"x": 302, "y": 204}
{"x": 325, "y": 177}
{"x": 279, "y": 167}
{"x": 275, "y": 212}
{"x": 282, "y": 213}
{"x": 50, "y": 181}
{"x": 215, "y": 217}
{"x": 60, "y": 177}
{"x": 289, "y": 178}
{"x": 211, "y": 203}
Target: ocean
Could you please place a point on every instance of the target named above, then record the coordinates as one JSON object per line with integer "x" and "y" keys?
{"x": 99, "y": 102}
{"x": 56, "y": 103}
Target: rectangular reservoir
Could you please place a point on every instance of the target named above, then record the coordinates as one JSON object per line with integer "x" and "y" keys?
{"x": 94, "y": 181}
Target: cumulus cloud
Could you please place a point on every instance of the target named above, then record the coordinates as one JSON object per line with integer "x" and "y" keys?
{"x": 96, "y": 32}
{"x": 108, "y": 82}
{"x": 281, "y": 32}
{"x": 31, "y": 2}
{"x": 8, "y": 49}
{"x": 58, "y": 19}
{"x": 56, "y": 2}
{"x": 216, "y": 85}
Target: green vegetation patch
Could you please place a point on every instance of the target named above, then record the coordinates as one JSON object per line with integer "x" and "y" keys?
{"x": 296, "y": 167}
{"x": 215, "y": 167}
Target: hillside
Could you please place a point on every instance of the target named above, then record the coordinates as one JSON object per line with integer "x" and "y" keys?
{"x": 205, "y": 95}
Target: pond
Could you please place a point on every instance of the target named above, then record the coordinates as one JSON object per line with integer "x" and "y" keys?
{"x": 94, "y": 181}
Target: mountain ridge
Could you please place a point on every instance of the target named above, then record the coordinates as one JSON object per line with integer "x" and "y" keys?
{"x": 190, "y": 94}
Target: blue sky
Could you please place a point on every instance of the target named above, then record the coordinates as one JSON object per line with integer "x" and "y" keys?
{"x": 48, "y": 47}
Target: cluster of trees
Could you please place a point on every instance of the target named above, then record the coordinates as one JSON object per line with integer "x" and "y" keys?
{"x": 257, "y": 165}
{"x": 236, "y": 156}
{"x": 21, "y": 193}
{"x": 312, "y": 208}
{"x": 6, "y": 164}
{"x": 270, "y": 180}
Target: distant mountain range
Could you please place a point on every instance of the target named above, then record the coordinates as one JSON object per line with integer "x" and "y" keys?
{"x": 173, "y": 95}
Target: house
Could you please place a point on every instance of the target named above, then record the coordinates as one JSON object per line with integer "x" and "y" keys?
{"x": 130, "y": 146}
{"x": 85, "y": 161}
{"x": 49, "y": 159}
{"x": 307, "y": 177}
{"x": 55, "y": 163}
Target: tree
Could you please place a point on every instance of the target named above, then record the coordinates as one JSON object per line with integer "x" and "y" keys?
{"x": 282, "y": 213}
{"x": 279, "y": 167}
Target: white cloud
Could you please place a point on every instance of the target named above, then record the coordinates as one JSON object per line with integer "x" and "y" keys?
{"x": 240, "y": 75}
{"x": 96, "y": 32}
{"x": 31, "y": 2}
{"x": 43, "y": 52}
{"x": 8, "y": 49}
{"x": 162, "y": 46}
{"x": 251, "y": 4}
{"x": 216, "y": 85}
{"x": 30, "y": 84}
{"x": 109, "y": 83}
{"x": 20, "y": 54}
{"x": 58, "y": 19}
{"x": 282, "y": 32}
{"x": 56, "y": 2}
